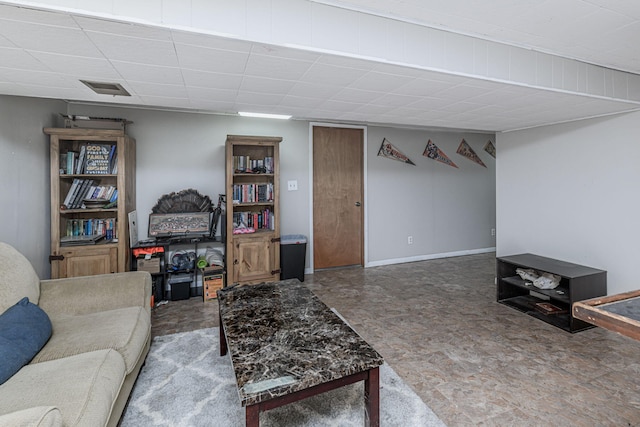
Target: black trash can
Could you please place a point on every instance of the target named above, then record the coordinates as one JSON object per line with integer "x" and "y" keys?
{"x": 293, "y": 249}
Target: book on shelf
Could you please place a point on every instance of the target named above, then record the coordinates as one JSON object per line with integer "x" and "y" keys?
{"x": 72, "y": 158}
{"x": 81, "y": 240}
{"x": 81, "y": 193}
{"x": 71, "y": 193}
{"x": 80, "y": 164}
{"x": 97, "y": 159}
{"x": 548, "y": 308}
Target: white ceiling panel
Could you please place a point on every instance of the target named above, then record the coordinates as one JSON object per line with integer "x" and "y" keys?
{"x": 47, "y": 38}
{"x": 196, "y": 78}
{"x": 20, "y": 59}
{"x": 148, "y": 73}
{"x": 83, "y": 67}
{"x": 132, "y": 49}
{"x": 46, "y": 52}
{"x": 211, "y": 60}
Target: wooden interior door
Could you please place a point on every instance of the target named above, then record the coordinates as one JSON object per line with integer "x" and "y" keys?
{"x": 338, "y": 192}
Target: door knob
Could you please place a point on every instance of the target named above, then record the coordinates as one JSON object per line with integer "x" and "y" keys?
{"x": 358, "y": 204}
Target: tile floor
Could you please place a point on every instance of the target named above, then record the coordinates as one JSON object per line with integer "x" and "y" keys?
{"x": 473, "y": 361}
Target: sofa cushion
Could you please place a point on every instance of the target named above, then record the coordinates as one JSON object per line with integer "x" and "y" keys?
{"x": 83, "y": 387}
{"x": 38, "y": 416}
{"x": 24, "y": 330}
{"x": 18, "y": 279}
{"x": 125, "y": 330}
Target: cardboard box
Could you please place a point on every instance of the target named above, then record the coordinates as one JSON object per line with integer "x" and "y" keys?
{"x": 210, "y": 284}
{"x": 151, "y": 265}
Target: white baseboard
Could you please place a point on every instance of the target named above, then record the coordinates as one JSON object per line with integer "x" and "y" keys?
{"x": 429, "y": 256}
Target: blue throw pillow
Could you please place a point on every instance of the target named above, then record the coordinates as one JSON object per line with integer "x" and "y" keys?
{"x": 24, "y": 330}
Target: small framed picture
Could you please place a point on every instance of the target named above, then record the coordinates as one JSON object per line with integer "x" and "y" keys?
{"x": 177, "y": 224}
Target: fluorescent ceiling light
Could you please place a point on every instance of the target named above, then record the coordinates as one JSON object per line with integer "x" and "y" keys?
{"x": 264, "y": 115}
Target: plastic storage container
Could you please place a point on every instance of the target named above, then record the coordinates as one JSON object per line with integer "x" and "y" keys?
{"x": 293, "y": 249}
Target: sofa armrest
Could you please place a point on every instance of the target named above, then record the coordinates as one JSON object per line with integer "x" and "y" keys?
{"x": 90, "y": 294}
{"x": 38, "y": 416}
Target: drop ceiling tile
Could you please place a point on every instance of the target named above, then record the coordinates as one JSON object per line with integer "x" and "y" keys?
{"x": 314, "y": 90}
{"x": 4, "y": 42}
{"x": 83, "y": 67}
{"x": 211, "y": 60}
{"x": 300, "y": 102}
{"x": 35, "y": 16}
{"x": 48, "y": 39}
{"x": 217, "y": 95}
{"x": 205, "y": 79}
{"x": 158, "y": 90}
{"x": 165, "y": 101}
{"x": 40, "y": 78}
{"x": 380, "y": 82}
{"x": 422, "y": 87}
{"x": 256, "y": 98}
{"x": 285, "y": 52}
{"x": 209, "y": 41}
{"x": 213, "y": 105}
{"x": 328, "y": 74}
{"x": 357, "y": 95}
{"x": 275, "y": 67}
{"x": 395, "y": 100}
{"x": 148, "y": 73}
{"x": 266, "y": 85}
{"x": 123, "y": 29}
{"x": 20, "y": 59}
{"x": 133, "y": 49}
{"x": 346, "y": 61}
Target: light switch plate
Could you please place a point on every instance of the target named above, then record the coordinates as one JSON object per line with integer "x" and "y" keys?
{"x": 292, "y": 185}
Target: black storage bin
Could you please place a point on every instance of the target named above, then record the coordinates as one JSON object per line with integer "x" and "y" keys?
{"x": 180, "y": 285}
{"x": 293, "y": 249}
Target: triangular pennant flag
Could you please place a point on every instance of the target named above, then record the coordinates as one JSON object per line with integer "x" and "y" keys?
{"x": 490, "y": 148}
{"x": 433, "y": 152}
{"x": 465, "y": 150}
{"x": 389, "y": 151}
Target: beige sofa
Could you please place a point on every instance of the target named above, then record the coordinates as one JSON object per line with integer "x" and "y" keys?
{"x": 101, "y": 328}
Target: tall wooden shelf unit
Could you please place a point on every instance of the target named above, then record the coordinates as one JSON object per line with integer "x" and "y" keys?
{"x": 105, "y": 256}
{"x": 252, "y": 188}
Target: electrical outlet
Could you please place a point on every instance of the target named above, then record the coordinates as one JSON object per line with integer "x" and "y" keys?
{"x": 292, "y": 185}
{"x": 410, "y": 240}
{"x": 493, "y": 231}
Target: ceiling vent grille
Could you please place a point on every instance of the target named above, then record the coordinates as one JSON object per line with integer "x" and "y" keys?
{"x": 101, "y": 88}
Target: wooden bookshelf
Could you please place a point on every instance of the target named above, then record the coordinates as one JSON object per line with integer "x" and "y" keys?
{"x": 252, "y": 189}
{"x": 110, "y": 253}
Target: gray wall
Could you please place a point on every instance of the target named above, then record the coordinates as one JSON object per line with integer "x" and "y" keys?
{"x": 24, "y": 175}
{"x": 448, "y": 211}
{"x": 569, "y": 192}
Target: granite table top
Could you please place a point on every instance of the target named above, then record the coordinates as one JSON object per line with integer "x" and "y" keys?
{"x": 283, "y": 339}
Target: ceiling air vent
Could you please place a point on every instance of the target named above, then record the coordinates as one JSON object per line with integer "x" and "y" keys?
{"x": 101, "y": 88}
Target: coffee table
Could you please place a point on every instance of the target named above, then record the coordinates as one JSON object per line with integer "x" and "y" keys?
{"x": 286, "y": 345}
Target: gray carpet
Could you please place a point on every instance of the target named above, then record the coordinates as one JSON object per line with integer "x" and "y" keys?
{"x": 186, "y": 383}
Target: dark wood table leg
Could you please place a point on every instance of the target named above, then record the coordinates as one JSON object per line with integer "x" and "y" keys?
{"x": 372, "y": 398}
{"x": 253, "y": 416}
{"x": 223, "y": 339}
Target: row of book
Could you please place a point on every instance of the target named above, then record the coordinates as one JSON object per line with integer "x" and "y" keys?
{"x": 252, "y": 193}
{"x": 245, "y": 164}
{"x": 89, "y": 230}
{"x": 262, "y": 220}
{"x": 92, "y": 159}
{"x": 85, "y": 189}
